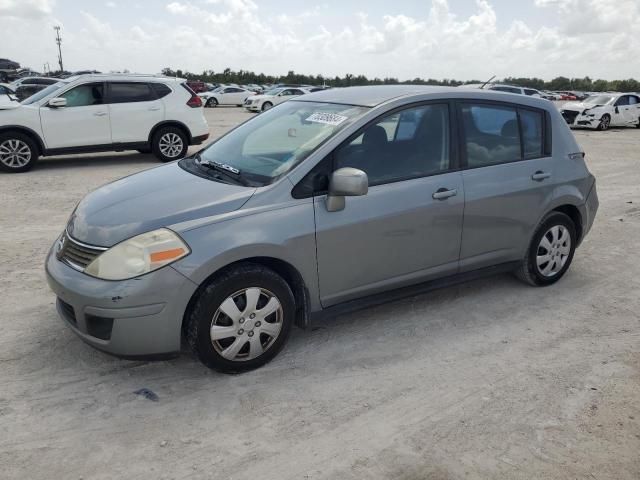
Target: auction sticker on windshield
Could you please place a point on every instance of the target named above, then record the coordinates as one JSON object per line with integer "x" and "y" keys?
{"x": 327, "y": 118}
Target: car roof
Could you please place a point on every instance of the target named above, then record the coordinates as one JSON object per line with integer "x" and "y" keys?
{"x": 372, "y": 96}
{"x": 126, "y": 77}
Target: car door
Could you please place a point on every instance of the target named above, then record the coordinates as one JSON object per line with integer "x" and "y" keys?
{"x": 508, "y": 180}
{"x": 407, "y": 228}
{"x": 134, "y": 110}
{"x": 239, "y": 96}
{"x": 628, "y": 110}
{"x": 83, "y": 122}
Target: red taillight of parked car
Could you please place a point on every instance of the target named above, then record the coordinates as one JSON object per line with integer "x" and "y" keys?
{"x": 195, "y": 102}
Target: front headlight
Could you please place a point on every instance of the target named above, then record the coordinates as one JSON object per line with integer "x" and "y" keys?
{"x": 138, "y": 255}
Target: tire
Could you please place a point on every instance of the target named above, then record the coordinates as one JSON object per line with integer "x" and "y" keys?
{"x": 267, "y": 106}
{"x": 638, "y": 124}
{"x": 18, "y": 152}
{"x": 144, "y": 150}
{"x": 551, "y": 231}
{"x": 605, "y": 122}
{"x": 211, "y": 103}
{"x": 231, "y": 289}
{"x": 169, "y": 143}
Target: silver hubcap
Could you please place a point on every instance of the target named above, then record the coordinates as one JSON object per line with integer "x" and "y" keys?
{"x": 246, "y": 324}
{"x": 553, "y": 250}
{"x": 605, "y": 123}
{"x": 14, "y": 153}
{"x": 267, "y": 106}
{"x": 171, "y": 145}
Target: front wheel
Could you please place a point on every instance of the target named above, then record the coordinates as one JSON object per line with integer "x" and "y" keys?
{"x": 211, "y": 102}
{"x": 267, "y": 106}
{"x": 241, "y": 319}
{"x": 169, "y": 143}
{"x": 605, "y": 123}
{"x": 18, "y": 152}
{"x": 551, "y": 251}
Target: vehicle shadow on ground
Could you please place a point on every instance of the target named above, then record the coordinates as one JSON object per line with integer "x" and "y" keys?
{"x": 78, "y": 161}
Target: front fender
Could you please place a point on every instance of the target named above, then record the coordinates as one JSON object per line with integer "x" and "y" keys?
{"x": 286, "y": 234}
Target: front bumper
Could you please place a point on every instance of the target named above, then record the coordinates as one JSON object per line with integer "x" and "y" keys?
{"x": 137, "y": 317}
{"x": 577, "y": 119}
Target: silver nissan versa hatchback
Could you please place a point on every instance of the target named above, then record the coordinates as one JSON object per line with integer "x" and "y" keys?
{"x": 330, "y": 201}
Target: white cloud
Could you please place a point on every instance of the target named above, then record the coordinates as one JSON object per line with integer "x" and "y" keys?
{"x": 214, "y": 34}
{"x": 111, "y": 4}
{"x": 26, "y": 8}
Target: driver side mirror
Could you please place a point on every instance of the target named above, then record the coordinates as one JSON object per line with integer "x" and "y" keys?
{"x": 346, "y": 182}
{"x": 57, "y": 102}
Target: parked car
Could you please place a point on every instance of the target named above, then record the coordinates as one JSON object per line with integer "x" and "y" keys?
{"x": 27, "y": 86}
{"x": 531, "y": 92}
{"x": 8, "y": 97}
{"x": 268, "y": 100}
{"x": 567, "y": 96}
{"x": 7, "y": 69}
{"x": 331, "y": 201}
{"x": 603, "y": 111}
{"x": 94, "y": 113}
{"x": 225, "y": 95}
{"x": 197, "y": 86}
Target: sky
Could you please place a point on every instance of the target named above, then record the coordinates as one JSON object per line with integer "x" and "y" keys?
{"x": 454, "y": 39}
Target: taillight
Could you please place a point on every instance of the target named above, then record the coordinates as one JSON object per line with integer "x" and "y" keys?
{"x": 195, "y": 102}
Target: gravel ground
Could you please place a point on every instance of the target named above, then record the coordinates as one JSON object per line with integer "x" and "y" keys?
{"x": 491, "y": 379}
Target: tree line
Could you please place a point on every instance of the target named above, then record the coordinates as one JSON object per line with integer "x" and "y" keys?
{"x": 243, "y": 77}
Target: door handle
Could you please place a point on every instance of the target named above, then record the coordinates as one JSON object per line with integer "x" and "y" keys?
{"x": 444, "y": 193}
{"x": 100, "y": 114}
{"x": 154, "y": 109}
{"x": 540, "y": 176}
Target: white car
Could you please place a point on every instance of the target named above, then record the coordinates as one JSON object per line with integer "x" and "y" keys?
{"x": 531, "y": 92}
{"x": 267, "y": 100}
{"x": 91, "y": 113}
{"x": 228, "y": 95}
{"x": 603, "y": 111}
{"x": 8, "y": 97}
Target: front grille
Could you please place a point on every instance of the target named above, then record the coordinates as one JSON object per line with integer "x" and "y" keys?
{"x": 569, "y": 116}
{"x": 75, "y": 254}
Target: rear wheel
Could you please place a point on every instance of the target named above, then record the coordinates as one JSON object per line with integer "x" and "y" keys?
{"x": 169, "y": 143}
{"x": 605, "y": 122}
{"x": 550, "y": 252}
{"x": 241, "y": 319}
{"x": 18, "y": 152}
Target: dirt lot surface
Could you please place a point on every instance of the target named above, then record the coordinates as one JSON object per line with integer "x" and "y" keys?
{"x": 492, "y": 379}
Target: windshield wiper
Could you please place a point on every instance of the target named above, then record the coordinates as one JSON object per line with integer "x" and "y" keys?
{"x": 226, "y": 170}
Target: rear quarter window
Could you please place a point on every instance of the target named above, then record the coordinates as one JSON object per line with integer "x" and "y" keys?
{"x": 160, "y": 89}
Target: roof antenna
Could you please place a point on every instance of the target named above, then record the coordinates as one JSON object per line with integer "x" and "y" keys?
{"x": 488, "y": 81}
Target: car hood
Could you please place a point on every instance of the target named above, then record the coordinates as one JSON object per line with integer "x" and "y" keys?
{"x": 152, "y": 199}
{"x": 7, "y": 104}
{"x": 579, "y": 106}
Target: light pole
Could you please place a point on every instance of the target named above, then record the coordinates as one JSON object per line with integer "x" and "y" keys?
{"x": 59, "y": 42}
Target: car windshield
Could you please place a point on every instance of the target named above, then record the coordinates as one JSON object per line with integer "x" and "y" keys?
{"x": 43, "y": 93}
{"x": 271, "y": 144}
{"x": 599, "y": 99}
{"x": 273, "y": 92}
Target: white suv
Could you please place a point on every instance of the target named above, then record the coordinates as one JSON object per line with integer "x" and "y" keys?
{"x": 92, "y": 113}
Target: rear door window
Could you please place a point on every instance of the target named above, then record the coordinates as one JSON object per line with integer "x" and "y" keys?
{"x": 492, "y": 134}
{"x": 130, "y": 92}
